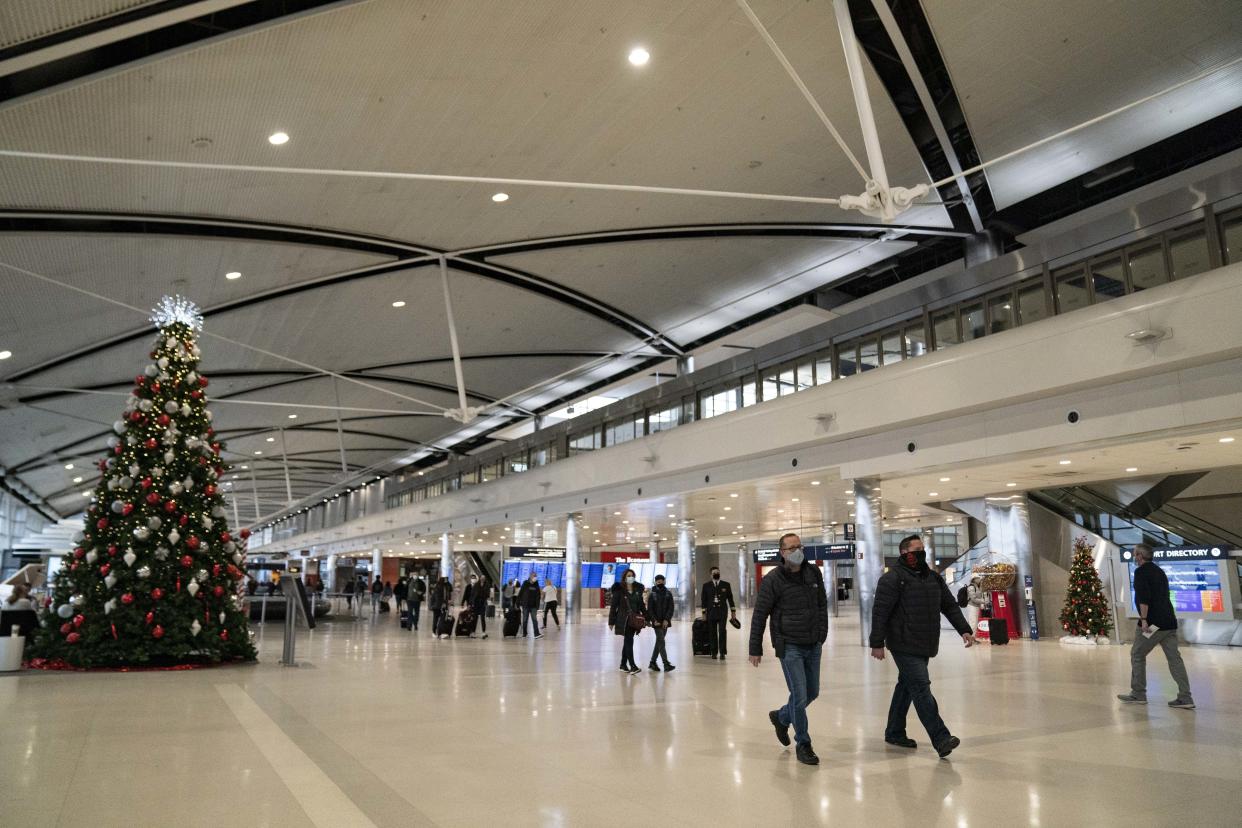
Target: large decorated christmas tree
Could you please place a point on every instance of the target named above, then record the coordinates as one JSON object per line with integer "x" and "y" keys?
{"x": 154, "y": 577}
{"x": 1085, "y": 613}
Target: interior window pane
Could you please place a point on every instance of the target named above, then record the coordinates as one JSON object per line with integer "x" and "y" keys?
{"x": 806, "y": 376}
{"x": 516, "y": 464}
{"x": 787, "y": 380}
{"x": 1147, "y": 268}
{"x": 869, "y": 355}
{"x": 847, "y": 360}
{"x": 944, "y": 325}
{"x": 891, "y": 348}
{"x": 1107, "y": 276}
{"x": 1000, "y": 309}
{"x": 1032, "y": 303}
{"x": 1189, "y": 255}
{"x": 750, "y": 393}
{"x": 771, "y": 386}
{"x": 1071, "y": 289}
{"x": 916, "y": 341}
{"x": 1231, "y": 235}
{"x": 972, "y": 322}
{"x": 823, "y": 367}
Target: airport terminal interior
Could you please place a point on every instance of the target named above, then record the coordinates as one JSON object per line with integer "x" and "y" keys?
{"x": 463, "y": 412}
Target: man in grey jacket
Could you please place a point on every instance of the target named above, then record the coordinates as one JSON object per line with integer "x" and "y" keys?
{"x": 793, "y": 596}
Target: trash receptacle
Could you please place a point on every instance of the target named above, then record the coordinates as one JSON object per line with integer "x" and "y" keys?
{"x": 11, "y": 647}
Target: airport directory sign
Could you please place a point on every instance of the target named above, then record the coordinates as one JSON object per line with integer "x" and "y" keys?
{"x": 550, "y": 552}
{"x": 1194, "y": 576}
{"x": 813, "y": 552}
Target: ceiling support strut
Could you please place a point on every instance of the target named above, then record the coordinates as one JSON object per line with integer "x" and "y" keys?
{"x": 463, "y": 413}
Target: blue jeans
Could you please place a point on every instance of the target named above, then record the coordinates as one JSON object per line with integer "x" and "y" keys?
{"x": 801, "y": 667}
{"x": 531, "y": 615}
{"x": 914, "y": 685}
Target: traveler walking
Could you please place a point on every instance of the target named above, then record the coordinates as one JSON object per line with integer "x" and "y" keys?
{"x": 550, "y": 603}
{"x": 793, "y": 596}
{"x": 716, "y": 598}
{"x": 441, "y": 602}
{"x": 528, "y": 600}
{"x": 475, "y": 597}
{"x": 349, "y": 595}
{"x": 401, "y": 592}
{"x": 660, "y": 616}
{"x": 386, "y": 597}
{"x": 909, "y": 600}
{"x": 377, "y": 590}
{"x": 507, "y": 594}
{"x": 1157, "y": 625}
{"x": 625, "y": 615}
{"x": 414, "y": 600}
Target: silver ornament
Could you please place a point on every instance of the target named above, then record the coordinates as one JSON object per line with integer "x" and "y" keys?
{"x": 143, "y": 571}
{"x": 169, "y": 457}
{"x": 110, "y": 580}
{"x": 131, "y": 440}
{"x": 134, "y": 469}
{"x": 192, "y": 588}
{"x": 92, "y": 556}
{"x": 126, "y": 482}
{"x": 158, "y": 471}
{"x": 113, "y": 484}
{"x": 151, "y": 370}
{"x": 118, "y": 427}
{"x": 238, "y": 558}
{"x": 202, "y": 576}
{"x": 64, "y": 610}
{"x": 109, "y": 605}
{"x": 196, "y": 627}
{"x": 208, "y": 523}
{"x": 171, "y": 407}
{"x": 173, "y": 537}
{"x": 185, "y": 409}
{"x": 161, "y": 553}
{"x": 175, "y": 488}
{"x": 188, "y": 482}
{"x": 142, "y": 533}
{"x": 113, "y": 442}
{"x": 129, "y": 557}
{"x": 162, "y": 362}
{"x": 145, "y": 405}
{"x": 154, "y": 522}
{"x": 78, "y": 600}
{"x": 222, "y": 617}
{"x": 118, "y": 506}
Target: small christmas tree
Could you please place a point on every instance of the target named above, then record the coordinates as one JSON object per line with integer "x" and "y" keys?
{"x": 154, "y": 577}
{"x": 1086, "y": 611}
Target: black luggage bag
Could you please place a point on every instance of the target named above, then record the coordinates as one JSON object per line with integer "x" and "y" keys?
{"x": 405, "y": 619}
{"x": 513, "y": 620}
{"x": 446, "y": 625}
{"x": 998, "y": 630}
{"x": 466, "y": 621}
{"x": 698, "y": 637}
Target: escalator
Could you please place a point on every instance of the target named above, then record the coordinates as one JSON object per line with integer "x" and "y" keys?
{"x": 485, "y": 567}
{"x": 1153, "y": 524}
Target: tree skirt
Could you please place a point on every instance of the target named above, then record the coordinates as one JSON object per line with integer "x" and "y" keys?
{"x": 1083, "y": 640}
{"x": 58, "y": 664}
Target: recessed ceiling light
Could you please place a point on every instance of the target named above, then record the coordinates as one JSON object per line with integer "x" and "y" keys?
{"x": 398, "y": 304}
{"x": 68, "y": 466}
{"x": 278, "y": 138}
{"x": 77, "y": 480}
{"x": 933, "y": 494}
{"x": 293, "y": 416}
{"x": 271, "y": 439}
{"x": 1226, "y": 439}
{"x": 1066, "y": 462}
{"x": 814, "y": 482}
{"x": 500, "y": 198}
{"x": 1132, "y": 469}
{"x": 244, "y": 468}
{"x": 728, "y": 508}
{"x": 795, "y": 500}
{"x": 1011, "y": 485}
{"x": 945, "y": 479}
{"x": 258, "y": 452}
{"x": 639, "y": 56}
{"x": 5, "y": 354}
{"x": 233, "y": 274}
{"x": 86, "y": 494}
{"x": 732, "y": 494}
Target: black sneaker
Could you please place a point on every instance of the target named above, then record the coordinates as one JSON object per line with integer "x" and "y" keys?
{"x": 903, "y": 742}
{"x": 635, "y": 671}
{"x": 668, "y": 668}
{"x": 1184, "y": 704}
{"x": 782, "y": 731}
{"x": 946, "y": 747}
{"x": 806, "y": 755}
{"x": 714, "y": 658}
{"x": 653, "y": 667}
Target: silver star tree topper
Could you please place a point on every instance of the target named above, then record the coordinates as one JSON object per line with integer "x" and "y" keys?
{"x": 173, "y": 309}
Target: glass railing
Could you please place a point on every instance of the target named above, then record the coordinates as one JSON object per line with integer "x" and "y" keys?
{"x": 1167, "y": 526}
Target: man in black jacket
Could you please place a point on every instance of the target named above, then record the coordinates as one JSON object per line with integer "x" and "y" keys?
{"x": 528, "y": 599}
{"x": 909, "y": 600}
{"x": 793, "y": 596}
{"x": 660, "y": 616}
{"x": 1157, "y": 625}
{"x": 716, "y": 598}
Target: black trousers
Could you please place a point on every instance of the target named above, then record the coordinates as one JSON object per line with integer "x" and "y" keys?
{"x": 659, "y": 651}
{"x": 627, "y": 650}
{"x": 717, "y": 639}
{"x": 550, "y": 606}
{"x": 415, "y": 606}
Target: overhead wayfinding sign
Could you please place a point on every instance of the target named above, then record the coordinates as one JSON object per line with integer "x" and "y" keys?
{"x": 1183, "y": 553}
{"x": 813, "y": 552}
{"x": 547, "y": 552}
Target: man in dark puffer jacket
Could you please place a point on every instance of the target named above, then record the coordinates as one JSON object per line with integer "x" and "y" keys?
{"x": 909, "y": 600}
{"x": 793, "y": 595}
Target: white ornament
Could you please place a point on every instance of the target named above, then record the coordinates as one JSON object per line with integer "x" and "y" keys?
{"x": 78, "y": 600}
{"x": 118, "y": 427}
{"x": 238, "y": 557}
{"x": 188, "y": 482}
{"x": 158, "y": 471}
{"x": 113, "y": 442}
{"x": 64, "y": 610}
{"x": 145, "y": 405}
{"x": 222, "y": 617}
{"x": 185, "y": 409}
{"x": 208, "y": 523}
{"x": 192, "y": 588}
{"x": 127, "y": 482}
{"x": 210, "y": 416}
{"x": 144, "y": 571}
{"x": 131, "y": 440}
{"x": 110, "y": 580}
{"x": 134, "y": 469}
{"x": 92, "y": 556}
{"x": 169, "y": 457}
{"x": 195, "y": 627}
{"x": 163, "y": 377}
{"x": 113, "y": 485}
{"x": 151, "y": 370}
{"x": 161, "y": 553}
{"x": 171, "y": 407}
{"x": 202, "y": 576}
{"x": 175, "y": 488}
{"x": 78, "y": 537}
{"x": 173, "y": 537}
{"x": 154, "y": 522}
{"x": 129, "y": 557}
{"x": 142, "y": 533}
{"x": 109, "y": 605}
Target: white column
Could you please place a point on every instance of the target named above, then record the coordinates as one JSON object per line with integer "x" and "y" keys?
{"x": 870, "y": 544}
{"x": 573, "y": 572}
{"x": 1009, "y": 538}
{"x": 446, "y": 555}
{"x": 685, "y": 574}
{"x": 331, "y": 582}
{"x": 744, "y": 571}
{"x": 377, "y": 565}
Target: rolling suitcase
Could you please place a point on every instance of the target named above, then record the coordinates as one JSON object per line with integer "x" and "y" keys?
{"x": 405, "y": 619}
{"x": 446, "y": 625}
{"x": 513, "y": 620}
{"x": 466, "y": 621}
{"x": 998, "y": 628}
{"x": 698, "y": 638}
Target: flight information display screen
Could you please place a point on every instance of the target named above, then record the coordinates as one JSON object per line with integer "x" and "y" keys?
{"x": 1194, "y": 586}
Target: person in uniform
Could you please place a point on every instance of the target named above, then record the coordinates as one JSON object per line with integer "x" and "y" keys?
{"x": 717, "y": 598}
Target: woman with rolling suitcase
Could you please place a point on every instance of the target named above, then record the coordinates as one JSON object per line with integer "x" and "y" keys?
{"x": 626, "y": 616}
{"x": 475, "y": 598}
{"x": 441, "y": 601}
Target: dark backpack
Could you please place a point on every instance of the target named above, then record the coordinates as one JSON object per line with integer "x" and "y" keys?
{"x": 962, "y": 597}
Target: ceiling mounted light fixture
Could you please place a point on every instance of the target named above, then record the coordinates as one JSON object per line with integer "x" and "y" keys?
{"x": 1226, "y": 439}
{"x": 1132, "y": 469}
{"x": 500, "y": 198}
{"x": 639, "y": 56}
{"x": 232, "y": 275}
{"x": 293, "y": 416}
{"x": 5, "y": 354}
{"x": 278, "y": 138}
{"x": 398, "y": 304}
{"x": 1011, "y": 485}
{"x": 1066, "y": 462}
{"x": 814, "y": 482}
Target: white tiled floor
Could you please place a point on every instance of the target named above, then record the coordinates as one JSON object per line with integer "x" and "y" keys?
{"x": 388, "y": 728}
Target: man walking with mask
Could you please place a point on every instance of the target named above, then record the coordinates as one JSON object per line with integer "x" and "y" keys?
{"x": 659, "y": 616}
{"x": 716, "y": 598}
{"x": 792, "y": 595}
{"x": 909, "y": 600}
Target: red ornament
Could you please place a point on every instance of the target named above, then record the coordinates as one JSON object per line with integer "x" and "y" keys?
{"x": 184, "y": 520}
{"x": 66, "y": 628}
{"x": 127, "y": 509}
{"x": 158, "y": 632}
{"x": 79, "y": 620}
{"x": 225, "y": 537}
{"x": 187, "y": 561}
{"x": 140, "y": 380}
{"x": 112, "y": 551}
{"x": 202, "y": 382}
{"x": 118, "y": 449}
{"x": 209, "y": 489}
{"x": 193, "y": 542}
{"x": 102, "y": 523}
{"x": 215, "y": 570}
{"x": 113, "y": 631}
{"x": 196, "y": 394}
{"x": 234, "y": 572}
{"x": 150, "y": 618}
{"x": 103, "y": 465}
{"x": 127, "y": 598}
{"x": 245, "y": 533}
{"x": 73, "y": 567}
{"x": 164, "y": 420}
{"x": 153, "y": 498}
{"x": 73, "y": 638}
{"x": 155, "y": 387}
{"x": 224, "y": 635}
{"x": 157, "y": 594}
{"x": 202, "y": 461}
{"x": 150, "y": 443}
{"x": 146, "y": 483}
{"x": 170, "y": 506}
{"x": 79, "y": 553}
{"x": 218, "y": 591}
{"x": 105, "y": 569}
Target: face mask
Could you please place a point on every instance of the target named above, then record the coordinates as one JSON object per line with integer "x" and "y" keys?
{"x": 918, "y": 556}
{"x": 629, "y": 579}
{"x": 796, "y": 557}
{"x": 474, "y": 580}
{"x": 715, "y": 576}
{"x": 659, "y": 585}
